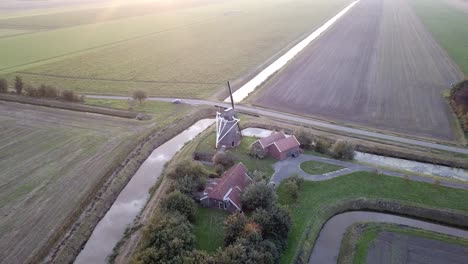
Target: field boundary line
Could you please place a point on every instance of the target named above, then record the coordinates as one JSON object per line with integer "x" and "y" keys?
{"x": 115, "y": 43}
{"x": 113, "y": 80}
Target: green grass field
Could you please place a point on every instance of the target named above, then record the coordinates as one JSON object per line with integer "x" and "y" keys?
{"x": 370, "y": 231}
{"x": 209, "y": 232}
{"x": 315, "y": 167}
{"x": 315, "y": 197}
{"x": 448, "y": 26}
{"x": 187, "y": 52}
{"x": 207, "y": 145}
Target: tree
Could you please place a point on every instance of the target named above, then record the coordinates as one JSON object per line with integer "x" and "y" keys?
{"x": 179, "y": 202}
{"x": 189, "y": 176}
{"x": 139, "y": 95}
{"x": 275, "y": 224}
{"x": 166, "y": 239}
{"x": 198, "y": 257}
{"x": 47, "y": 91}
{"x": 305, "y": 137}
{"x": 3, "y": 86}
{"x": 258, "y": 175}
{"x": 233, "y": 227}
{"x": 70, "y": 96}
{"x": 19, "y": 85}
{"x": 258, "y": 195}
{"x": 342, "y": 150}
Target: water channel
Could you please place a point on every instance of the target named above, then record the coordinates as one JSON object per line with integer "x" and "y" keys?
{"x": 327, "y": 246}
{"x": 133, "y": 198}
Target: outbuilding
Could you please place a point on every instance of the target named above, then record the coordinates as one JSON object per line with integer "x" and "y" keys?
{"x": 279, "y": 146}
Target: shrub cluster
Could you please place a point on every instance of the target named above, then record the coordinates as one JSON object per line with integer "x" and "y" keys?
{"x": 293, "y": 185}
{"x": 342, "y": 150}
{"x": 3, "y": 86}
{"x": 188, "y": 177}
{"x": 305, "y": 138}
{"x": 43, "y": 91}
{"x": 223, "y": 160}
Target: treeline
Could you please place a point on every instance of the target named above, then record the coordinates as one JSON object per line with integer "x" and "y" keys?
{"x": 43, "y": 91}
{"x": 460, "y": 105}
{"x": 259, "y": 236}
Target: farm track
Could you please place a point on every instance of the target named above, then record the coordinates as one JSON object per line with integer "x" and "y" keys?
{"x": 116, "y": 80}
{"x": 378, "y": 67}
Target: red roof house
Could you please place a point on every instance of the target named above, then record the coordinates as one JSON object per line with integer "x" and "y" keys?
{"x": 279, "y": 146}
{"x": 225, "y": 192}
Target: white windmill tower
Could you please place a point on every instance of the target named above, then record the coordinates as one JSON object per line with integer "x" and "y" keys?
{"x": 227, "y": 126}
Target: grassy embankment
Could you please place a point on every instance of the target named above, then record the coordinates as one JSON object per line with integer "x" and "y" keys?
{"x": 309, "y": 213}
{"x": 115, "y": 56}
{"x": 448, "y": 26}
{"x": 315, "y": 167}
{"x": 359, "y": 237}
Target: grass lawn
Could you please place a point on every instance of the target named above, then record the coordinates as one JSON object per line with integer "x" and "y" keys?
{"x": 207, "y": 145}
{"x": 448, "y": 26}
{"x": 315, "y": 167}
{"x": 209, "y": 233}
{"x": 157, "y": 109}
{"x": 309, "y": 212}
{"x": 370, "y": 231}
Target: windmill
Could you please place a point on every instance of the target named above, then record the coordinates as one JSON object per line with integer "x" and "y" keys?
{"x": 227, "y": 126}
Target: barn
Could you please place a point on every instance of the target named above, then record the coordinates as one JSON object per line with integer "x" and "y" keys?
{"x": 279, "y": 146}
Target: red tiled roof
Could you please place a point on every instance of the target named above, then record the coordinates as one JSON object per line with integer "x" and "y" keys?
{"x": 286, "y": 143}
{"x": 275, "y": 136}
{"x": 231, "y": 184}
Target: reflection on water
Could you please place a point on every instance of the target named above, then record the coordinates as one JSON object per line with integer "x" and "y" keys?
{"x": 413, "y": 166}
{"x": 133, "y": 197}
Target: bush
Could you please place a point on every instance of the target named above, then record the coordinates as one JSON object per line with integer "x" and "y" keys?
{"x": 292, "y": 189}
{"x": 139, "y": 95}
{"x": 181, "y": 203}
{"x": 31, "y": 91}
{"x": 3, "y": 86}
{"x": 70, "y": 96}
{"x": 19, "y": 85}
{"x": 258, "y": 195}
{"x": 224, "y": 159}
{"x": 342, "y": 150}
{"x": 257, "y": 151}
{"x": 219, "y": 169}
{"x": 305, "y": 138}
{"x": 322, "y": 146}
{"x": 48, "y": 91}
{"x": 259, "y": 176}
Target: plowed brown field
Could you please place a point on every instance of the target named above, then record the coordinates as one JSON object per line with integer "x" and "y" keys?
{"x": 377, "y": 67}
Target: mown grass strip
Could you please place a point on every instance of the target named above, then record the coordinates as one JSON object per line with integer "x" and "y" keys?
{"x": 316, "y": 168}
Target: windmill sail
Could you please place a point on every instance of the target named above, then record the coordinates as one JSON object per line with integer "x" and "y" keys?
{"x": 227, "y": 126}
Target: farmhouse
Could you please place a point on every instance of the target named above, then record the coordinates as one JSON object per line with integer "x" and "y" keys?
{"x": 278, "y": 146}
{"x": 225, "y": 192}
